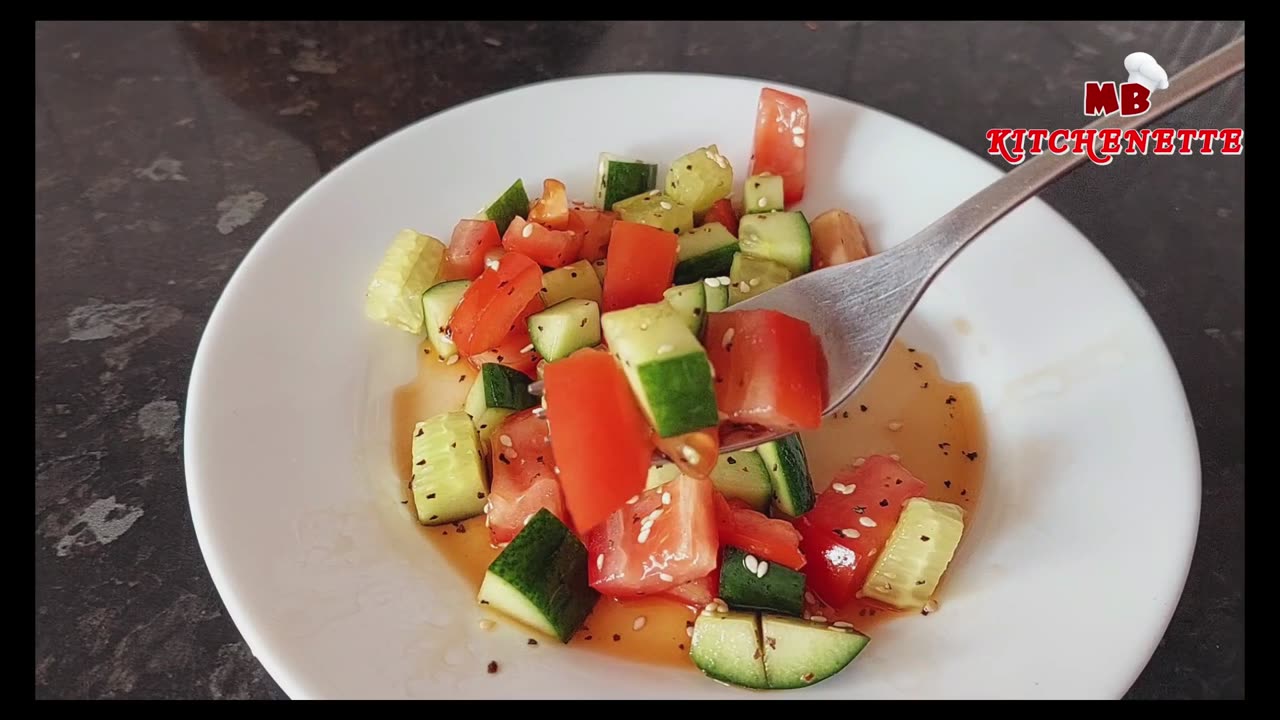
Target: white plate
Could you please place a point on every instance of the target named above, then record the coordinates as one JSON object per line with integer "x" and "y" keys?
{"x": 1072, "y": 566}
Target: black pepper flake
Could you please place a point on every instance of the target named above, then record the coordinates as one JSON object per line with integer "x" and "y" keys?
{"x": 493, "y": 667}
{"x": 421, "y": 462}
{"x": 898, "y": 481}
{"x": 432, "y": 496}
{"x": 697, "y": 312}
{"x": 911, "y": 349}
{"x": 573, "y": 274}
{"x": 688, "y": 167}
{"x": 419, "y": 433}
{"x": 587, "y": 637}
{"x": 539, "y": 328}
{"x": 433, "y": 517}
{"x": 944, "y": 445}
{"x": 502, "y": 284}
{"x": 539, "y": 458}
{"x": 971, "y": 455}
{"x": 951, "y": 399}
{"x": 863, "y": 408}
{"x": 775, "y": 467}
{"x": 860, "y": 509}
{"x": 837, "y": 533}
{"x": 757, "y": 185}
{"x": 946, "y": 483}
{"x": 924, "y": 538}
{"x": 453, "y": 444}
{"x": 483, "y": 425}
{"x": 532, "y": 641}
{"x": 681, "y": 646}
{"x": 479, "y": 496}
{"x": 583, "y": 323}
{"x": 504, "y": 459}
{"x": 499, "y": 358}
{"x": 428, "y": 352}
{"x": 964, "y": 492}
{"x": 731, "y": 460}
{"x": 460, "y": 528}
{"x": 616, "y": 637}
{"x": 484, "y": 602}
{"x": 920, "y": 582}
{"x": 446, "y": 532}
{"x": 916, "y": 365}
{"x": 845, "y": 415}
{"x": 404, "y": 502}
{"x": 924, "y": 386}
{"x": 884, "y": 503}
{"x": 461, "y": 378}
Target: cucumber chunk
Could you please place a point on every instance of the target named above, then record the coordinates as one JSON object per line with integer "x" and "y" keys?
{"x": 449, "y": 481}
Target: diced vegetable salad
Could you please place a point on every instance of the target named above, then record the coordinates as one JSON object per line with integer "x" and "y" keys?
{"x": 603, "y": 331}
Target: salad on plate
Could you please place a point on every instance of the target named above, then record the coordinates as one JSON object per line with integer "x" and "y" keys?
{"x": 602, "y": 332}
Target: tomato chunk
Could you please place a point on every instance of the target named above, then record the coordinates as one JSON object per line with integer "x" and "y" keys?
{"x": 651, "y": 547}
{"x": 698, "y": 593}
{"x": 769, "y": 368}
{"x": 850, "y": 523}
{"x": 722, "y": 212}
{"x": 642, "y": 261}
{"x": 471, "y": 239}
{"x": 594, "y": 227}
{"x": 549, "y": 248}
{"x": 552, "y": 209}
{"x": 492, "y": 303}
{"x": 513, "y": 352}
{"x": 601, "y": 437}
{"x": 524, "y": 477}
{"x": 771, "y": 539}
{"x": 781, "y": 139}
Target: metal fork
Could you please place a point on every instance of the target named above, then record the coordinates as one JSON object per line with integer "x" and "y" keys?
{"x": 858, "y": 308}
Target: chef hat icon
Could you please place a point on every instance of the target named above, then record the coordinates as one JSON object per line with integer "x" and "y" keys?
{"x": 1144, "y": 70}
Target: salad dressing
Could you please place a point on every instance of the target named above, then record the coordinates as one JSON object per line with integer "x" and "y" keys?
{"x": 906, "y": 409}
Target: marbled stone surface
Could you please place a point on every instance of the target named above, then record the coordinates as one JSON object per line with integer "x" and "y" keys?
{"x": 164, "y": 150}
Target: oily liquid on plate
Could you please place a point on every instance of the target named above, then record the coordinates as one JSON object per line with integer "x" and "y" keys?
{"x": 906, "y": 408}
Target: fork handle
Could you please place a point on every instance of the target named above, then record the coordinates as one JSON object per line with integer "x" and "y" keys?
{"x": 947, "y": 236}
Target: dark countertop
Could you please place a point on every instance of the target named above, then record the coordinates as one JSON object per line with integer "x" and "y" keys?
{"x": 164, "y": 150}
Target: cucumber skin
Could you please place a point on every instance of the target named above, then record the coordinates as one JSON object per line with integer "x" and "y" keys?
{"x": 780, "y": 591}
{"x": 679, "y": 380}
{"x": 713, "y": 264}
{"x": 517, "y": 399}
{"x": 547, "y": 551}
{"x": 794, "y": 496}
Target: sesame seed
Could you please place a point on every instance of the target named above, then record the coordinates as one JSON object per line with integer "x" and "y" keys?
{"x": 644, "y": 534}
{"x": 689, "y": 631}
{"x": 929, "y": 607}
{"x": 492, "y": 264}
{"x": 841, "y": 488}
{"x": 762, "y": 202}
{"x": 851, "y": 533}
{"x": 487, "y": 624}
{"x": 690, "y": 455}
{"x": 818, "y": 619}
{"x": 666, "y": 498}
{"x": 808, "y": 597}
{"x": 527, "y": 231}
{"x": 728, "y": 338}
{"x": 762, "y": 568}
{"x": 634, "y": 499}
{"x": 710, "y": 155}
{"x": 751, "y": 564}
{"x": 754, "y": 282}
{"x": 866, "y": 522}
{"x": 600, "y": 561}
{"x": 644, "y": 326}
{"x": 638, "y": 623}
{"x": 539, "y": 412}
{"x": 798, "y": 141}
{"x": 665, "y": 205}
{"x": 557, "y": 469}
{"x": 711, "y": 282}
{"x": 664, "y": 349}
{"x": 841, "y": 624}
{"x": 526, "y": 348}
{"x": 451, "y": 360}
{"x": 652, "y": 517}
{"x": 488, "y": 507}
{"x": 665, "y": 577}
{"x": 857, "y": 462}
{"x": 724, "y": 280}
{"x": 526, "y": 520}
{"x": 744, "y": 287}
{"x": 872, "y": 552}
{"x": 535, "y": 388}
{"x": 797, "y": 130}
{"x": 895, "y": 425}
{"x": 895, "y": 457}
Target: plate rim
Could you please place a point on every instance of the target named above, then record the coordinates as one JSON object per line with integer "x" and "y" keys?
{"x": 271, "y": 661}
